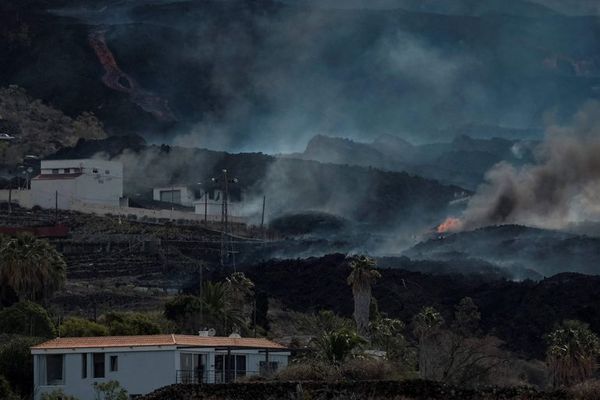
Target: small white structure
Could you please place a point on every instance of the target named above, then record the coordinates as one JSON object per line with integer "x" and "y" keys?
{"x": 142, "y": 364}
{"x": 64, "y": 183}
{"x": 181, "y": 195}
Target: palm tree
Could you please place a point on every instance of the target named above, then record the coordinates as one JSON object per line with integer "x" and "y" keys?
{"x": 31, "y": 267}
{"x": 336, "y": 346}
{"x": 361, "y": 279}
{"x": 217, "y": 307}
{"x": 240, "y": 289}
{"x": 426, "y": 327}
{"x": 572, "y": 352}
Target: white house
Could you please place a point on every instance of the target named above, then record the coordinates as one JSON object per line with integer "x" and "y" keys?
{"x": 63, "y": 183}
{"x": 181, "y": 195}
{"x": 142, "y": 364}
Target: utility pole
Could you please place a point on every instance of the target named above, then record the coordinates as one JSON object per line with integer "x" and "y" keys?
{"x": 262, "y": 218}
{"x": 205, "y": 207}
{"x": 10, "y": 197}
{"x": 225, "y": 238}
{"x": 56, "y": 207}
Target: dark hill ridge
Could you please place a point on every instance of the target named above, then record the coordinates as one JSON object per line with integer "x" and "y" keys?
{"x": 370, "y": 196}
{"x": 520, "y": 313}
{"x": 547, "y": 252}
{"x": 463, "y": 161}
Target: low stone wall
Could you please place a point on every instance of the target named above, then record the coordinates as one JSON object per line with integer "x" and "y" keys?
{"x": 369, "y": 390}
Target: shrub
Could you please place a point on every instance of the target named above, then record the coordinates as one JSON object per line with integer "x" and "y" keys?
{"x": 368, "y": 369}
{"x": 309, "y": 371}
{"x": 28, "y": 319}
{"x": 587, "y": 390}
{"x": 6, "y": 392}
{"x": 16, "y": 363}
{"x": 57, "y": 395}
{"x": 79, "y": 327}
{"x": 130, "y": 324}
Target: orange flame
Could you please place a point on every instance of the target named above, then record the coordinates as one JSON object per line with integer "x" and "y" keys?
{"x": 450, "y": 225}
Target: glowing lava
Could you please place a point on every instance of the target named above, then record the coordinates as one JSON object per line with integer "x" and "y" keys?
{"x": 118, "y": 80}
{"x": 450, "y": 225}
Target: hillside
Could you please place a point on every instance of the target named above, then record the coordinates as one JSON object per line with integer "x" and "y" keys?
{"x": 463, "y": 161}
{"x": 370, "y": 196}
{"x": 520, "y": 313}
{"x": 544, "y": 251}
{"x": 37, "y": 128}
{"x": 223, "y": 86}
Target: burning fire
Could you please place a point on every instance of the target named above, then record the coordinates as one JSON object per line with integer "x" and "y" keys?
{"x": 451, "y": 224}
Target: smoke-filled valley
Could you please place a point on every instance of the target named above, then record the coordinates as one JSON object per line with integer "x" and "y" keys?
{"x": 418, "y": 180}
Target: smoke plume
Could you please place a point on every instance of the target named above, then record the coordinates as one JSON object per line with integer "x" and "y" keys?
{"x": 563, "y": 188}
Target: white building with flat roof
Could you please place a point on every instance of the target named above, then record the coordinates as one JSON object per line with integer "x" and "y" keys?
{"x": 181, "y": 195}
{"x": 142, "y": 364}
{"x": 63, "y": 183}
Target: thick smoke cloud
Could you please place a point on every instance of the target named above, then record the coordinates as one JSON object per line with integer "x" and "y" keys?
{"x": 562, "y": 189}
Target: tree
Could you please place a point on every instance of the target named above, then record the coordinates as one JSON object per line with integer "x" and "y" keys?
{"x": 387, "y": 335}
{"x": 218, "y": 309}
{"x": 241, "y": 291}
{"x": 80, "y": 327}
{"x": 186, "y": 312}
{"x": 16, "y": 363}
{"x": 31, "y": 267}
{"x": 212, "y": 310}
{"x": 572, "y": 352}
{"x": 361, "y": 278}
{"x": 28, "y": 319}
{"x": 110, "y": 390}
{"x": 120, "y": 323}
{"x": 426, "y": 327}
{"x": 335, "y": 347}
{"x": 6, "y": 392}
{"x": 466, "y": 317}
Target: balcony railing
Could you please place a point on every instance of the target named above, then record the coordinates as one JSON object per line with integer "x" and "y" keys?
{"x": 215, "y": 376}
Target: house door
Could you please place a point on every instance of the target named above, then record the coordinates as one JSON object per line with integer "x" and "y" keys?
{"x": 192, "y": 368}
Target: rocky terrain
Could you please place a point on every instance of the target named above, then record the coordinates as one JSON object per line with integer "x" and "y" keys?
{"x": 37, "y": 128}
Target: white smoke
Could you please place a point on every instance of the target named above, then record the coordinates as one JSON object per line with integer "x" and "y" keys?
{"x": 561, "y": 189}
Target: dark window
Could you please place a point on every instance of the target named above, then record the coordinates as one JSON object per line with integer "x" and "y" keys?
{"x": 55, "y": 170}
{"x": 114, "y": 363}
{"x": 170, "y": 196}
{"x": 84, "y": 365}
{"x": 98, "y": 365}
{"x": 240, "y": 366}
{"x": 67, "y": 170}
{"x": 107, "y": 172}
{"x": 95, "y": 170}
{"x": 54, "y": 369}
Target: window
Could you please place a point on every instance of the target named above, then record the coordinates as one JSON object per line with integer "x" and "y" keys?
{"x": 95, "y": 170}
{"x": 170, "y": 196}
{"x": 98, "y": 359}
{"x": 107, "y": 172}
{"x": 54, "y": 369}
{"x": 114, "y": 363}
{"x": 84, "y": 365}
{"x": 240, "y": 366}
{"x": 55, "y": 170}
{"x": 67, "y": 170}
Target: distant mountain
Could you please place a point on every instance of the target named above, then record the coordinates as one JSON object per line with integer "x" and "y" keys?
{"x": 463, "y": 162}
{"x": 546, "y": 252}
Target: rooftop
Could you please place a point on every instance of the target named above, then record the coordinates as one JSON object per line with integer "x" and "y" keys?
{"x": 156, "y": 340}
